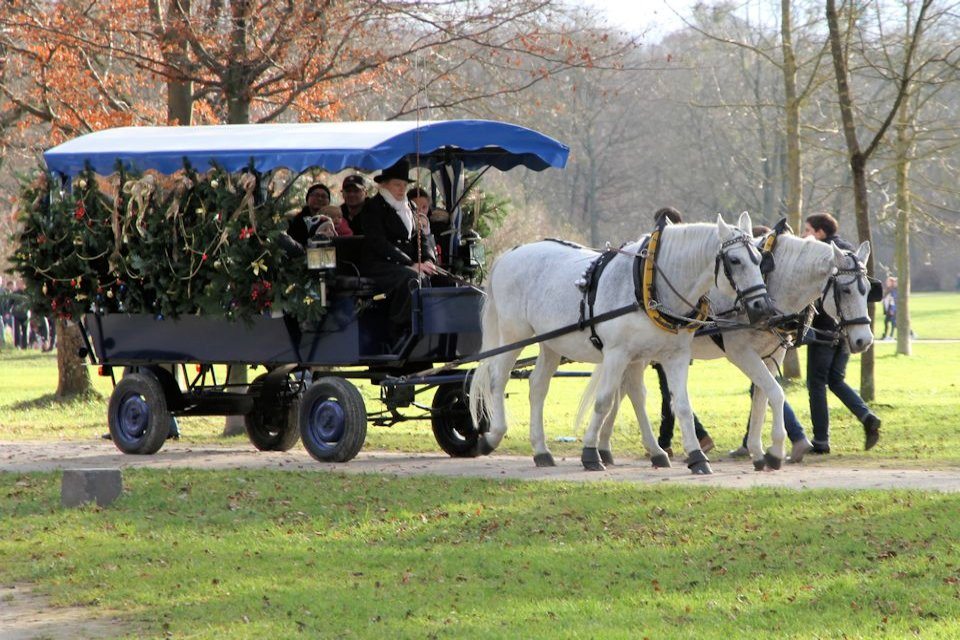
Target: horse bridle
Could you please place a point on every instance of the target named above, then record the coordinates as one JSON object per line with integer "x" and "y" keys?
{"x": 756, "y": 291}
{"x": 865, "y": 285}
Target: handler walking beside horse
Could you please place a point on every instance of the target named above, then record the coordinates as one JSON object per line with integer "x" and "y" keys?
{"x": 531, "y": 292}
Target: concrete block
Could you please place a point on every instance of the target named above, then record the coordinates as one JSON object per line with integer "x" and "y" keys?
{"x": 79, "y": 486}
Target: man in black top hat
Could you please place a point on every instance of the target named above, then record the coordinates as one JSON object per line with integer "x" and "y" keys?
{"x": 396, "y": 253}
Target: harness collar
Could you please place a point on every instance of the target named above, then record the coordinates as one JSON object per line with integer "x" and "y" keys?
{"x": 645, "y": 288}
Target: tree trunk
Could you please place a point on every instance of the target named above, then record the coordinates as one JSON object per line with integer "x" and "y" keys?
{"x": 858, "y": 163}
{"x": 233, "y": 425}
{"x": 179, "y": 91}
{"x": 902, "y": 238}
{"x": 236, "y": 84}
{"x": 74, "y": 379}
{"x": 794, "y": 195}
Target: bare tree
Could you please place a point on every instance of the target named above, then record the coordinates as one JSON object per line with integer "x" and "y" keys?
{"x": 859, "y": 156}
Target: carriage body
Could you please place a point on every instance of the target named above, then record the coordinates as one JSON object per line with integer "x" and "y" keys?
{"x": 164, "y": 367}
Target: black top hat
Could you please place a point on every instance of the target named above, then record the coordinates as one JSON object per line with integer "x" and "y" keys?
{"x": 399, "y": 171}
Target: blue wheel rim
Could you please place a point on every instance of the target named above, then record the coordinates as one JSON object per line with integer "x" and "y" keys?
{"x": 326, "y": 424}
{"x": 133, "y": 417}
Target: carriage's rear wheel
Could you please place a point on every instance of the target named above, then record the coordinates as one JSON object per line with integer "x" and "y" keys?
{"x": 137, "y": 415}
{"x": 273, "y": 424}
{"x": 452, "y": 425}
{"x": 333, "y": 420}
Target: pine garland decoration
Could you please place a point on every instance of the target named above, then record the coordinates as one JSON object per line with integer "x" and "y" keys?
{"x": 194, "y": 243}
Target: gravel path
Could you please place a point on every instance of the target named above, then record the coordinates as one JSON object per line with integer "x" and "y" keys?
{"x": 818, "y": 473}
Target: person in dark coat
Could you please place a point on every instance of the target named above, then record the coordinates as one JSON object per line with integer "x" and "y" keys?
{"x": 310, "y": 220}
{"x": 354, "y": 191}
{"x": 396, "y": 253}
{"x": 827, "y": 363}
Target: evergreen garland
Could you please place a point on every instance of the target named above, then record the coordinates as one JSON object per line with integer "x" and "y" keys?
{"x": 200, "y": 243}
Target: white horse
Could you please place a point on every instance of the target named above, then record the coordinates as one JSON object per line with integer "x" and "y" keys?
{"x": 805, "y": 270}
{"x": 531, "y": 291}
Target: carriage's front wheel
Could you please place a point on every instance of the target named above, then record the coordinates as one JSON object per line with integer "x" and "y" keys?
{"x": 333, "y": 420}
{"x": 137, "y": 415}
{"x": 452, "y": 425}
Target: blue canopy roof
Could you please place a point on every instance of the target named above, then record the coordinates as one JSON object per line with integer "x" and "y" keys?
{"x": 333, "y": 146}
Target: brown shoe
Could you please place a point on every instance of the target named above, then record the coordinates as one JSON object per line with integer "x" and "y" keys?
{"x": 707, "y": 444}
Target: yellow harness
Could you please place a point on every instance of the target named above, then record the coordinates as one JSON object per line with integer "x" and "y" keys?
{"x": 651, "y": 305}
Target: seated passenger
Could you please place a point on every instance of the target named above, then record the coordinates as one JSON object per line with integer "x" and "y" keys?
{"x": 395, "y": 255}
{"x": 335, "y": 214}
{"x": 310, "y": 220}
{"x": 354, "y": 192}
{"x": 420, "y": 202}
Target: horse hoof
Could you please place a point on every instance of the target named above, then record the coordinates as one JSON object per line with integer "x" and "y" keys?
{"x": 759, "y": 465}
{"x": 606, "y": 457}
{"x": 701, "y": 468}
{"x": 544, "y": 460}
{"x": 661, "y": 461}
{"x": 591, "y": 459}
{"x": 772, "y": 461}
{"x": 483, "y": 447}
{"x": 698, "y": 463}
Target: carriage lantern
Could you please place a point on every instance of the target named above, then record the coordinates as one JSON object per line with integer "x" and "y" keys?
{"x": 322, "y": 257}
{"x": 321, "y": 254}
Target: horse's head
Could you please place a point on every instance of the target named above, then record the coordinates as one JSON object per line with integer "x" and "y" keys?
{"x": 741, "y": 267}
{"x": 846, "y": 295}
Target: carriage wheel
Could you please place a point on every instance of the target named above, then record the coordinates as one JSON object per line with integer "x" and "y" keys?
{"x": 452, "y": 425}
{"x": 333, "y": 420}
{"x": 273, "y": 424}
{"x": 137, "y": 415}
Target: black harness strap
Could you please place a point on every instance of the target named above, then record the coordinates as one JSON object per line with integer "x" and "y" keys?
{"x": 590, "y": 282}
{"x": 718, "y": 340}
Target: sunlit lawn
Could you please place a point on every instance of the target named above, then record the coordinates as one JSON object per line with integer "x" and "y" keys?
{"x": 916, "y": 398}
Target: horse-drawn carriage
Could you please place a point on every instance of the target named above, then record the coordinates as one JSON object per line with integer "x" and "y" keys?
{"x": 170, "y": 365}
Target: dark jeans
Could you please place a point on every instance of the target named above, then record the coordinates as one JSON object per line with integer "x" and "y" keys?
{"x": 21, "y": 327}
{"x": 667, "y": 419}
{"x": 826, "y": 367}
{"x": 889, "y": 324}
{"x": 794, "y": 428}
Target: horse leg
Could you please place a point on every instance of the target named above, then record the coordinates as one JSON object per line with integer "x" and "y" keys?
{"x": 766, "y": 389}
{"x": 610, "y": 370}
{"x": 499, "y": 374}
{"x": 547, "y": 363}
{"x": 606, "y": 428}
{"x": 776, "y": 454}
{"x": 637, "y": 391}
{"x": 676, "y": 368}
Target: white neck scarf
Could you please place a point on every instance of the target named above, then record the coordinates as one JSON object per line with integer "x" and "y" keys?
{"x": 402, "y": 207}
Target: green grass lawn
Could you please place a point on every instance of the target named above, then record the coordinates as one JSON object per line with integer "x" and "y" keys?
{"x": 933, "y": 316}
{"x": 195, "y": 554}
{"x": 252, "y": 554}
{"x": 917, "y": 398}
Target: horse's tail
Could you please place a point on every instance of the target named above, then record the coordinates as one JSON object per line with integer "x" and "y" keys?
{"x": 480, "y": 385}
{"x": 589, "y": 398}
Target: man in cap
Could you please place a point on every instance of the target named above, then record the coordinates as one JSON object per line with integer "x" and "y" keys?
{"x": 354, "y": 198}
